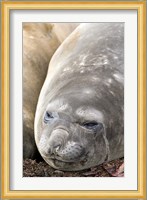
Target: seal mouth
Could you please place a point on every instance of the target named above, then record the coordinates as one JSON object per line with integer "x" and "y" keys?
{"x": 58, "y": 162}
{"x": 63, "y": 163}
{"x": 83, "y": 159}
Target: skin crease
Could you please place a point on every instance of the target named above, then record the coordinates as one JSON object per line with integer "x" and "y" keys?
{"x": 79, "y": 118}
{"x": 40, "y": 40}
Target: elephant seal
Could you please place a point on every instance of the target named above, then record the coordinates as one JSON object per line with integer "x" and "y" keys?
{"x": 40, "y": 40}
{"x": 79, "y": 118}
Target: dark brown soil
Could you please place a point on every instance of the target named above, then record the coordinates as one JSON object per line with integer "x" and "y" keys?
{"x": 32, "y": 168}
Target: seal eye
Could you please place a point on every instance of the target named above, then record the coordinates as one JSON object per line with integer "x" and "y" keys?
{"x": 48, "y": 116}
{"x": 93, "y": 125}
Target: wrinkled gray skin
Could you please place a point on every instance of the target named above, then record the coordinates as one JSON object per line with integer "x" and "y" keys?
{"x": 85, "y": 84}
{"x": 40, "y": 41}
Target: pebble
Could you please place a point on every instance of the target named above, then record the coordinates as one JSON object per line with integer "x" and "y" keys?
{"x": 59, "y": 173}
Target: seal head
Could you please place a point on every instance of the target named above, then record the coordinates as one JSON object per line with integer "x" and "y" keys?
{"x": 70, "y": 134}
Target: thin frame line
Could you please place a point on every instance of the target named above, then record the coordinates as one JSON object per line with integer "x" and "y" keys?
{"x": 5, "y": 111}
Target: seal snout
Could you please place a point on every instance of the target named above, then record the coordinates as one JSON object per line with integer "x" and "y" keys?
{"x": 61, "y": 147}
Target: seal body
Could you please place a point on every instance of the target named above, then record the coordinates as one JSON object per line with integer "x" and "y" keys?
{"x": 40, "y": 40}
{"x": 79, "y": 117}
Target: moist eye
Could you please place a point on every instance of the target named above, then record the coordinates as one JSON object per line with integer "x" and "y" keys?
{"x": 93, "y": 125}
{"x": 47, "y": 117}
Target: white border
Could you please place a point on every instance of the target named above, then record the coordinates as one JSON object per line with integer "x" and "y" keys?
{"x": 129, "y": 182}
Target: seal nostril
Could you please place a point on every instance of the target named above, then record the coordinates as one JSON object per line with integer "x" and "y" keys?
{"x": 53, "y": 150}
{"x": 57, "y": 148}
